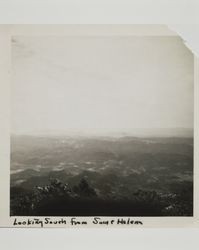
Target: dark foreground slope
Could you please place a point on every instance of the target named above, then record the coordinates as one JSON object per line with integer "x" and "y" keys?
{"x": 101, "y": 176}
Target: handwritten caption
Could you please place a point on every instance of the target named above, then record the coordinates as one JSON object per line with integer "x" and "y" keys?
{"x": 73, "y": 221}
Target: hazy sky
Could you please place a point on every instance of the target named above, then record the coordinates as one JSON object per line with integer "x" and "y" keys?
{"x": 100, "y": 83}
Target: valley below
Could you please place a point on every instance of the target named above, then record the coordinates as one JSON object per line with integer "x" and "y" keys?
{"x": 101, "y": 176}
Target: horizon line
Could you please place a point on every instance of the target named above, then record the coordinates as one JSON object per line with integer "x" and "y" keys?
{"x": 138, "y": 132}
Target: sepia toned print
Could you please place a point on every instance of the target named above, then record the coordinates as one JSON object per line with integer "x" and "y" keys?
{"x": 101, "y": 126}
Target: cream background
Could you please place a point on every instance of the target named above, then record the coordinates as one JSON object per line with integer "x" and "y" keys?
{"x": 184, "y": 14}
{"x": 6, "y": 33}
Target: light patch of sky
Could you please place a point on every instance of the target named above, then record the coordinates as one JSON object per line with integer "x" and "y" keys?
{"x": 100, "y": 84}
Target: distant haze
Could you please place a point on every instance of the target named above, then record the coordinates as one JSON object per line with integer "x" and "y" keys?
{"x": 101, "y": 85}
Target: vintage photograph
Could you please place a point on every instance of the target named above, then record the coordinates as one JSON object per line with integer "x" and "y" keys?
{"x": 101, "y": 126}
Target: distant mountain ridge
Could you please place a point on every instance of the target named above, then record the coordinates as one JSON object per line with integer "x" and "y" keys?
{"x": 138, "y": 132}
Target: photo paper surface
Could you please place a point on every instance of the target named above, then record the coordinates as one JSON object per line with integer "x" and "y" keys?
{"x": 100, "y": 128}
